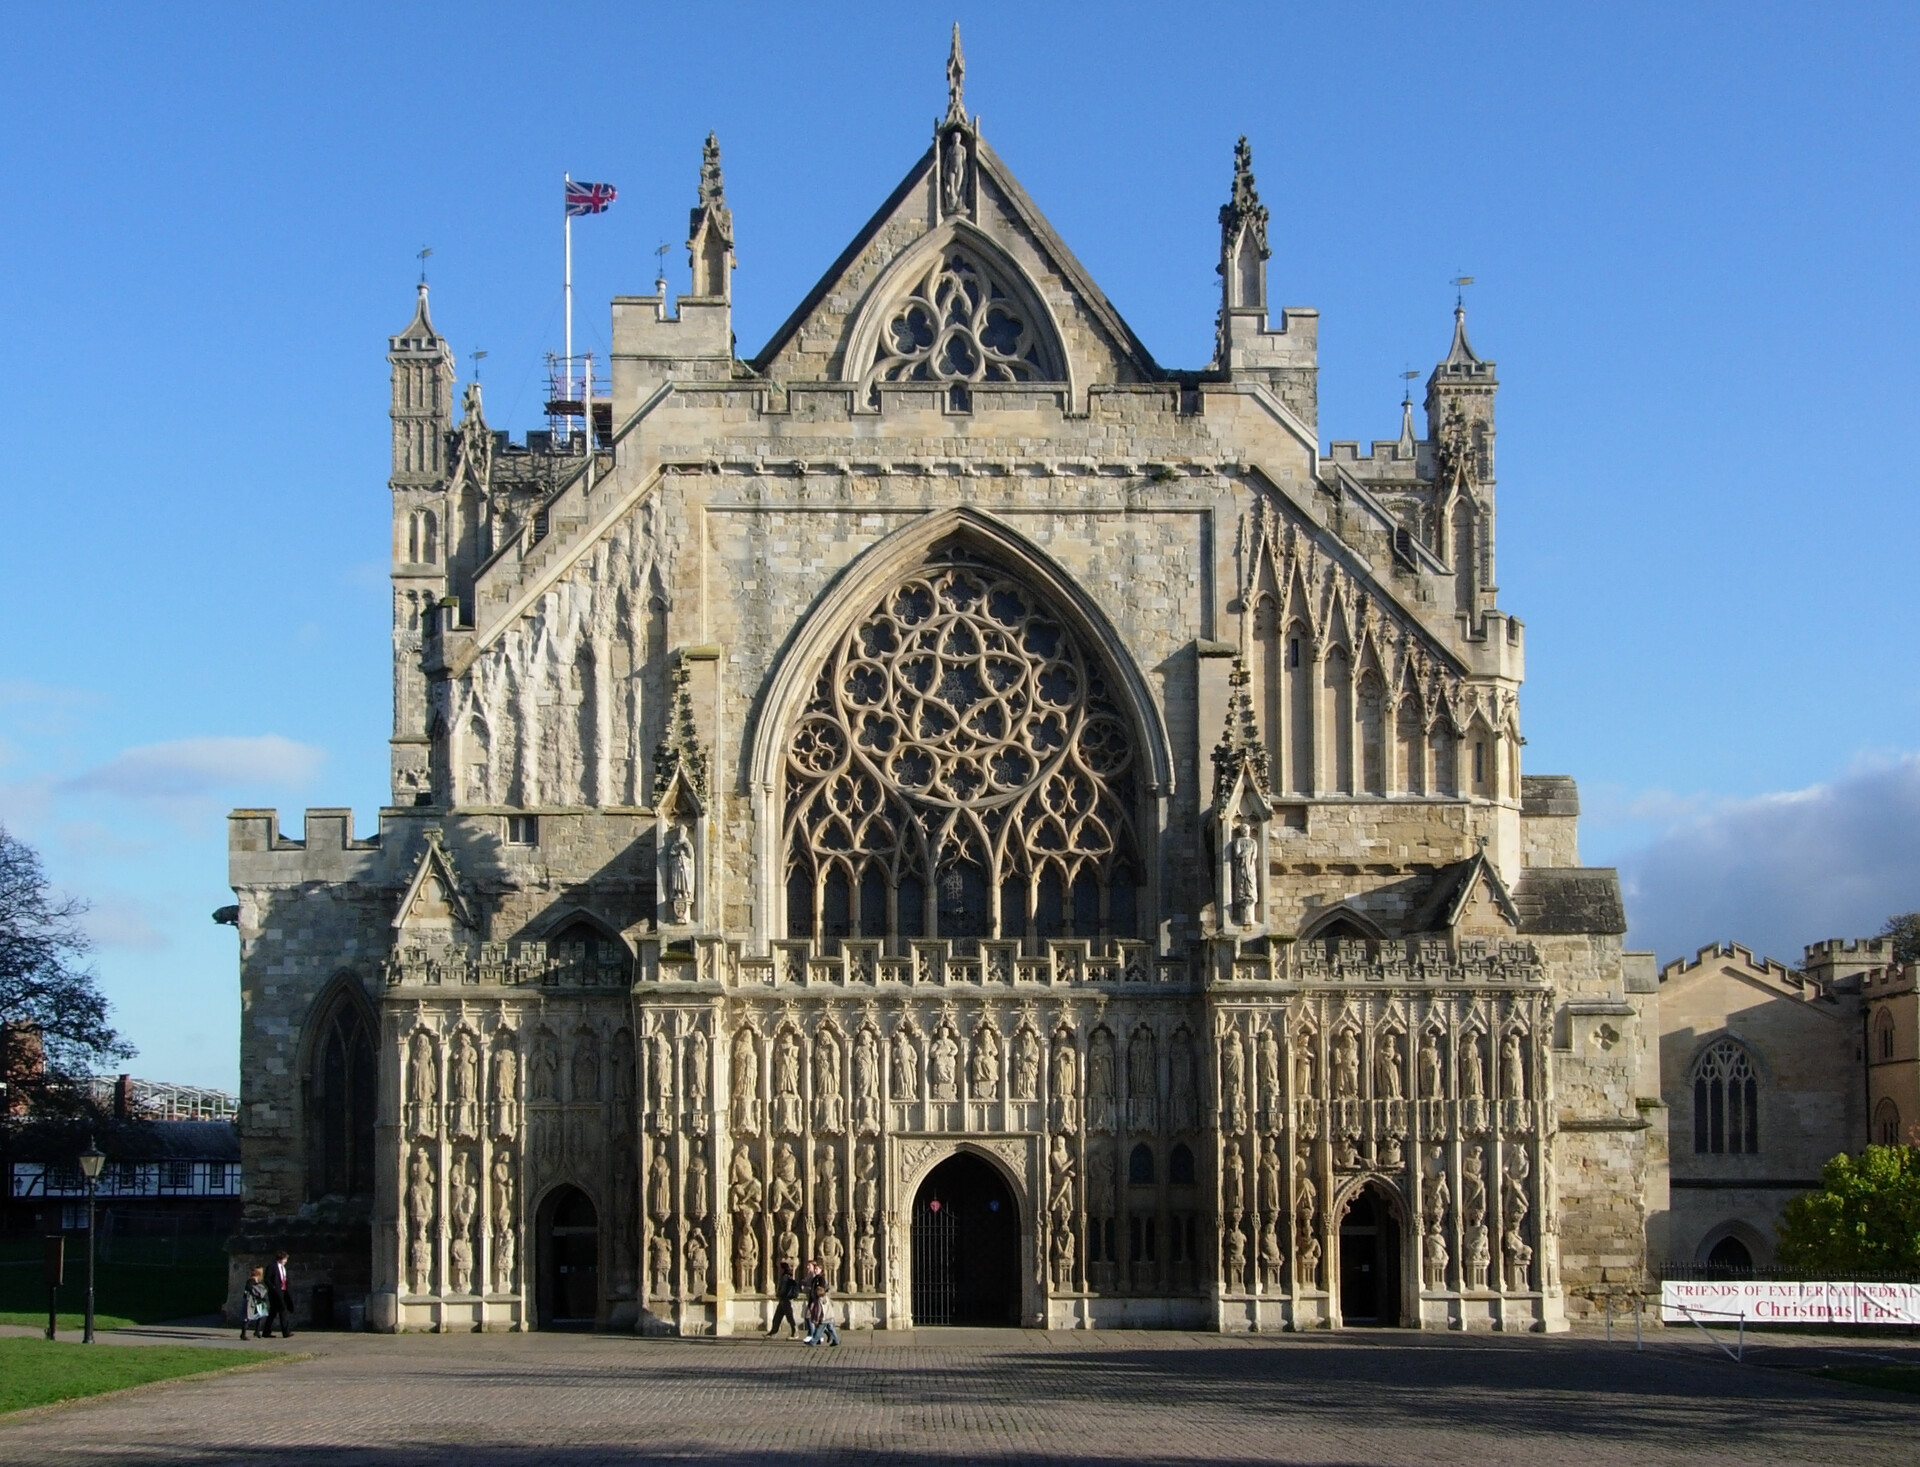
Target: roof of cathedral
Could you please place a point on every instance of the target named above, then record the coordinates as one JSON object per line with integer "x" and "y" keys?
{"x": 1570, "y": 900}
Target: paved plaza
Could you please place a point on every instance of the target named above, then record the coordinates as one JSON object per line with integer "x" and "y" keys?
{"x": 964, "y": 1396}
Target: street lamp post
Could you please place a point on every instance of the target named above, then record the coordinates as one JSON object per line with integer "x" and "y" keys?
{"x": 91, "y": 1160}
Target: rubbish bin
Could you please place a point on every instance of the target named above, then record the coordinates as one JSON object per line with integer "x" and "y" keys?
{"x": 322, "y": 1307}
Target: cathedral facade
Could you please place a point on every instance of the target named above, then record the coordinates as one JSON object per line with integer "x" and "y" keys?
{"x": 953, "y": 799}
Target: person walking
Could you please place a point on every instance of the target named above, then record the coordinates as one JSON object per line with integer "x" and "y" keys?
{"x": 253, "y": 1304}
{"x": 785, "y": 1288}
{"x": 805, "y": 1288}
{"x": 279, "y": 1298}
{"x": 820, "y": 1325}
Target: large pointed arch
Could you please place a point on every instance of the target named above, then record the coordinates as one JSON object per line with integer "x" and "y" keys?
{"x": 854, "y": 594}
{"x": 339, "y": 1070}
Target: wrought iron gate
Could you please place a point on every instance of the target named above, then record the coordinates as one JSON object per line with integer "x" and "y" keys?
{"x": 934, "y": 1274}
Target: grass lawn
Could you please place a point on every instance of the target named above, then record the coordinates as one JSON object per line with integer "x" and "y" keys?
{"x": 37, "y": 1319}
{"x": 34, "y": 1372}
{"x": 1883, "y": 1377}
{"x": 195, "y": 1282}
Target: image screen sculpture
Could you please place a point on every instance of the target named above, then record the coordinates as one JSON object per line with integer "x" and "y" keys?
{"x": 961, "y": 771}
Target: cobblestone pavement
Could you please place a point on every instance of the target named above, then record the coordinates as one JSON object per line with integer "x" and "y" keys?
{"x": 954, "y": 1396}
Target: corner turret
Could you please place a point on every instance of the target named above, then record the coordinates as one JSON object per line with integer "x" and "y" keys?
{"x": 1287, "y": 359}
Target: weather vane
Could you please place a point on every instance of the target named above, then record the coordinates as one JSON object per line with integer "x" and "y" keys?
{"x": 660, "y": 265}
{"x": 1406, "y": 393}
{"x": 1460, "y": 284}
{"x": 478, "y": 358}
{"x": 425, "y": 250}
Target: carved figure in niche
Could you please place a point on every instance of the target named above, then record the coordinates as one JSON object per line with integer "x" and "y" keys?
{"x": 1233, "y": 1174}
{"x": 1234, "y": 1251}
{"x": 1513, "y": 1068}
{"x": 676, "y": 870}
{"x": 1065, "y": 1087}
{"x": 1025, "y": 1077}
{"x": 586, "y": 1066}
{"x": 626, "y": 1201}
{"x": 1303, "y": 1082}
{"x": 696, "y": 1047}
{"x": 660, "y": 1184}
{"x": 786, "y": 1249}
{"x": 464, "y": 1086}
{"x": 906, "y": 1066}
{"x": 422, "y": 1086}
{"x": 1269, "y": 1177}
{"x": 1272, "y": 1260}
{"x": 1435, "y": 1252}
{"x": 1063, "y": 1252}
{"x": 1473, "y": 1186}
{"x": 697, "y": 1183}
{"x": 1245, "y": 852}
{"x": 544, "y": 1069}
{"x": 1233, "y": 1083}
{"x": 953, "y": 175}
{"x": 696, "y": 1263}
{"x": 866, "y": 1083}
{"x": 1060, "y": 1174}
{"x": 866, "y": 1184}
{"x": 783, "y": 1197}
{"x": 660, "y": 1076}
{"x": 826, "y": 1186}
{"x": 1474, "y": 1276}
{"x": 787, "y": 1118}
{"x": 1429, "y": 1068}
{"x": 983, "y": 1069}
{"x": 829, "y": 1105}
{"x": 745, "y": 1079}
{"x": 1100, "y": 1082}
{"x": 504, "y": 1231}
{"x": 660, "y": 1251}
{"x": 1143, "y": 1082}
{"x": 1386, "y": 1068}
{"x": 1346, "y": 1065}
{"x": 868, "y": 1263}
{"x": 1100, "y": 1175}
{"x": 1513, "y": 1207}
{"x": 503, "y": 1089}
{"x": 943, "y": 1066}
{"x": 1266, "y": 1071}
{"x": 830, "y": 1256}
{"x": 743, "y": 1187}
{"x": 1306, "y": 1204}
{"x": 1185, "y": 1090}
{"x": 746, "y": 1258}
{"x": 463, "y": 1196}
{"x": 1473, "y": 1069}
{"x": 420, "y": 1221}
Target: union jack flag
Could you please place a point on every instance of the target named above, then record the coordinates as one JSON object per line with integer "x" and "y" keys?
{"x": 588, "y": 198}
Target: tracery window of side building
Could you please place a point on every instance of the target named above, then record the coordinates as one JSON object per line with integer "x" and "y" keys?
{"x": 1726, "y": 1096}
{"x": 342, "y": 1093}
{"x": 961, "y": 322}
{"x": 962, "y": 770}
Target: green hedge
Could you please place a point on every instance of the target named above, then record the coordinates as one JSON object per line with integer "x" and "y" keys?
{"x": 145, "y": 1293}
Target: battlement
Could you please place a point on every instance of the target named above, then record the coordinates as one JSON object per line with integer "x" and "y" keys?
{"x": 1875, "y": 949}
{"x": 1731, "y": 952}
{"x": 257, "y": 852}
{"x": 1885, "y": 982}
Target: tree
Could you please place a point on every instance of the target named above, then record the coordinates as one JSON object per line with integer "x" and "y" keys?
{"x": 1905, "y": 932}
{"x": 1864, "y": 1219}
{"x": 45, "y": 992}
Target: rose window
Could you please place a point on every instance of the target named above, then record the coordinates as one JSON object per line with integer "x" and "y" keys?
{"x": 960, "y": 771}
{"x": 959, "y": 323}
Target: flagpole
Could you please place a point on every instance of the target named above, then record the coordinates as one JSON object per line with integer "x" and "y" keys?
{"x": 568, "y": 358}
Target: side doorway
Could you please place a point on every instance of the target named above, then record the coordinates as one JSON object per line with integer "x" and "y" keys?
{"x": 569, "y": 1237}
{"x": 1370, "y": 1260}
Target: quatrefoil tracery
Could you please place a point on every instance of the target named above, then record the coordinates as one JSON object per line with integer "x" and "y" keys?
{"x": 960, "y": 323}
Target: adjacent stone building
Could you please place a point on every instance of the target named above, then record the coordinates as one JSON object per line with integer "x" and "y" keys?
{"x": 952, "y": 798}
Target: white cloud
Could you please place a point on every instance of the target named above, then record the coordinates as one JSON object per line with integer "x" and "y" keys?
{"x": 118, "y": 920}
{"x": 1779, "y": 871}
{"x": 187, "y": 767}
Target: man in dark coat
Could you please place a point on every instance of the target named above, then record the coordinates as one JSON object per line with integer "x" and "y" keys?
{"x": 786, "y": 1288}
{"x": 279, "y": 1298}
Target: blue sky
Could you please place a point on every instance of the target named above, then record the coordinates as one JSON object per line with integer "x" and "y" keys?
{"x": 1691, "y": 228}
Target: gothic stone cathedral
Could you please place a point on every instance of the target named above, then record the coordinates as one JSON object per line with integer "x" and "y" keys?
{"x": 955, "y": 799}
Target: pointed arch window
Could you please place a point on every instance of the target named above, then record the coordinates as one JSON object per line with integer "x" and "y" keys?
{"x": 342, "y": 1091}
{"x": 591, "y": 951}
{"x": 1726, "y": 1094}
{"x": 963, "y": 320}
{"x": 962, "y": 770}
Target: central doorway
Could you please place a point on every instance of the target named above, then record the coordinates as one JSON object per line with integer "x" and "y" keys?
{"x": 569, "y": 1261}
{"x": 1369, "y": 1260}
{"x": 966, "y": 1246}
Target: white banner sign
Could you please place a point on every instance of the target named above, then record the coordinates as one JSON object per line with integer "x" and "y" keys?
{"x": 1759, "y": 1302}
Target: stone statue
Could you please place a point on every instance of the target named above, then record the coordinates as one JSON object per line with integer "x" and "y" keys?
{"x": 1435, "y": 1251}
{"x": 1100, "y": 1082}
{"x": 829, "y": 1105}
{"x": 746, "y": 1258}
{"x": 1026, "y": 1065}
{"x": 1303, "y": 1082}
{"x": 868, "y": 1257}
{"x": 1060, "y": 1191}
{"x": 1245, "y": 855}
{"x": 1063, "y": 1254}
{"x": 830, "y": 1256}
{"x": 1233, "y": 1082}
{"x": 1234, "y": 1251}
{"x": 866, "y": 1184}
{"x": 1143, "y": 1082}
{"x": 1473, "y": 1187}
{"x": 1269, "y": 1177}
{"x": 500, "y": 1205}
{"x": 420, "y": 1220}
{"x": 586, "y": 1066}
{"x": 545, "y": 1068}
{"x": 743, "y": 1187}
{"x": 1065, "y": 1087}
{"x": 983, "y": 1069}
{"x": 697, "y": 1183}
{"x": 1473, "y": 1069}
{"x": 783, "y": 1197}
{"x": 1185, "y": 1096}
{"x": 1232, "y": 1183}
{"x": 422, "y": 1086}
{"x": 826, "y": 1186}
{"x": 1513, "y": 1068}
{"x": 660, "y": 1073}
{"x": 787, "y": 1117}
{"x": 745, "y": 1082}
{"x": 866, "y": 1083}
{"x": 1272, "y": 1260}
{"x": 1100, "y": 1181}
{"x": 462, "y": 1202}
{"x": 786, "y": 1249}
{"x": 660, "y": 1185}
{"x": 660, "y": 1250}
{"x": 1346, "y": 1065}
{"x": 953, "y": 175}
{"x": 696, "y": 1048}
{"x": 676, "y": 869}
{"x": 503, "y": 1090}
{"x": 1266, "y": 1069}
{"x": 1429, "y": 1064}
{"x": 943, "y": 1069}
{"x": 1386, "y": 1067}
{"x": 906, "y": 1066}
{"x": 696, "y": 1263}
{"x": 1306, "y": 1203}
{"x": 464, "y": 1087}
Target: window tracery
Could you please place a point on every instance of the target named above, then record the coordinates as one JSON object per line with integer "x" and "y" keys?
{"x": 1725, "y": 1102}
{"x": 342, "y": 1095}
{"x": 961, "y": 322}
{"x": 961, "y": 771}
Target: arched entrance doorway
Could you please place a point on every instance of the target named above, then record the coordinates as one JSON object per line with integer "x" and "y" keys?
{"x": 569, "y": 1260}
{"x": 966, "y": 1246}
{"x": 1370, "y": 1260}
